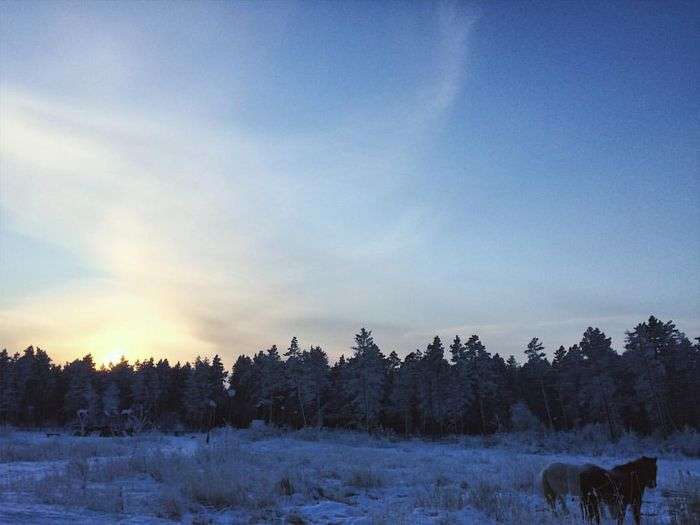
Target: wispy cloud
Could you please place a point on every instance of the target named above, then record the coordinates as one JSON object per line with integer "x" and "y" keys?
{"x": 220, "y": 177}
{"x": 210, "y": 238}
{"x": 456, "y": 21}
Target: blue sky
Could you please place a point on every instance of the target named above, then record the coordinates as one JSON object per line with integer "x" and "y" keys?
{"x": 183, "y": 179}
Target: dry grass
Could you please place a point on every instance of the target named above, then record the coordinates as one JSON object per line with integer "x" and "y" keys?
{"x": 365, "y": 478}
{"x": 269, "y": 478}
{"x": 440, "y": 497}
{"x": 592, "y": 440}
{"x": 682, "y": 496}
{"x": 25, "y": 447}
{"x": 71, "y": 488}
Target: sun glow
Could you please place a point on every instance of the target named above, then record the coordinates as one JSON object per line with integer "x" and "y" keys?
{"x": 131, "y": 340}
{"x": 118, "y": 322}
{"x": 113, "y": 356}
{"x": 110, "y": 345}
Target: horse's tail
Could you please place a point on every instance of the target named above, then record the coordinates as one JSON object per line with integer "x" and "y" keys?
{"x": 547, "y": 489}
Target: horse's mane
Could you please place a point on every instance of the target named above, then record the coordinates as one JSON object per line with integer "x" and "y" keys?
{"x": 630, "y": 466}
{"x": 636, "y": 465}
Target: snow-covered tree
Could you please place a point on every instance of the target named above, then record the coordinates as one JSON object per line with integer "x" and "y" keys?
{"x": 365, "y": 379}
{"x": 315, "y": 380}
{"x": 480, "y": 368}
{"x": 9, "y": 395}
{"x": 434, "y": 387}
{"x": 598, "y": 391}
{"x": 535, "y": 373}
{"x": 294, "y": 368}
{"x": 110, "y": 398}
{"x": 81, "y": 394}
{"x": 650, "y": 387}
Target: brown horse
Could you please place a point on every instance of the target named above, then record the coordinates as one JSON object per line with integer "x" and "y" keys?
{"x": 619, "y": 487}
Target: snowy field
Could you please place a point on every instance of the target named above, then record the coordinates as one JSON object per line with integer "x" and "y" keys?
{"x": 267, "y": 476}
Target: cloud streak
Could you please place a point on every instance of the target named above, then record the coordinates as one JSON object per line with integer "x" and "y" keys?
{"x": 210, "y": 238}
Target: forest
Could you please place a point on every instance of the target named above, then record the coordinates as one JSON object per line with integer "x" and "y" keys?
{"x": 650, "y": 387}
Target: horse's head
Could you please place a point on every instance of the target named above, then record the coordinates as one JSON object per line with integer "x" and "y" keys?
{"x": 647, "y": 471}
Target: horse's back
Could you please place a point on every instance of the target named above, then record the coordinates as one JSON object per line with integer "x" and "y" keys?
{"x": 593, "y": 477}
{"x": 564, "y": 478}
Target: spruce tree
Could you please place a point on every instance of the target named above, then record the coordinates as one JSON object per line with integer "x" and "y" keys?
{"x": 536, "y": 372}
{"x": 365, "y": 378}
{"x": 599, "y": 391}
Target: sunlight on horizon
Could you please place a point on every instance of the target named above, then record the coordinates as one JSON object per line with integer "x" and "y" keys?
{"x": 109, "y": 347}
{"x": 113, "y": 357}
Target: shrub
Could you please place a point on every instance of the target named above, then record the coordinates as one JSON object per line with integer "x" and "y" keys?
{"x": 686, "y": 442}
{"x": 365, "y": 478}
{"x": 286, "y": 487}
{"x": 170, "y": 506}
{"x": 69, "y": 488}
{"x": 682, "y": 499}
{"x": 441, "y": 496}
{"x": 24, "y": 448}
{"x": 522, "y": 418}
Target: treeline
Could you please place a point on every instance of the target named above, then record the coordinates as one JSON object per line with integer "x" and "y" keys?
{"x": 652, "y": 386}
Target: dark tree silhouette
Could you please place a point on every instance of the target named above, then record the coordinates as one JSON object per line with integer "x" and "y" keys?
{"x": 652, "y": 386}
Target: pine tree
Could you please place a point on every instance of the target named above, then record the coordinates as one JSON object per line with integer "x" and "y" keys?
{"x": 403, "y": 397}
{"x": 241, "y": 384}
{"x": 269, "y": 383}
{"x": 599, "y": 391}
{"x": 196, "y": 398}
{"x": 146, "y": 390}
{"x": 339, "y": 408}
{"x": 457, "y": 350}
{"x": 434, "y": 384}
{"x": 295, "y": 372}
{"x": 43, "y": 386}
{"x": 461, "y": 384}
{"x": 81, "y": 394}
{"x": 175, "y": 392}
{"x": 536, "y": 370}
{"x": 568, "y": 369}
{"x": 9, "y": 399}
{"x": 315, "y": 380}
{"x": 365, "y": 378}
{"x": 513, "y": 377}
{"x": 651, "y": 349}
{"x": 484, "y": 379}
{"x": 110, "y": 398}
{"x": 122, "y": 373}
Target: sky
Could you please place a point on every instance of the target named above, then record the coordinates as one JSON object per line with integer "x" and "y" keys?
{"x": 182, "y": 179}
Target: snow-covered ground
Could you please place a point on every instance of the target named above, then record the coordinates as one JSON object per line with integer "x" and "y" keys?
{"x": 267, "y": 476}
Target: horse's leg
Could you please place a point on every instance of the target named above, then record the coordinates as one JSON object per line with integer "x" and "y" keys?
{"x": 595, "y": 509}
{"x": 549, "y": 494}
{"x": 552, "y": 500}
{"x": 583, "y": 504}
{"x": 562, "y": 498}
{"x": 621, "y": 511}
{"x": 585, "y": 509}
{"x": 637, "y": 511}
{"x": 590, "y": 508}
